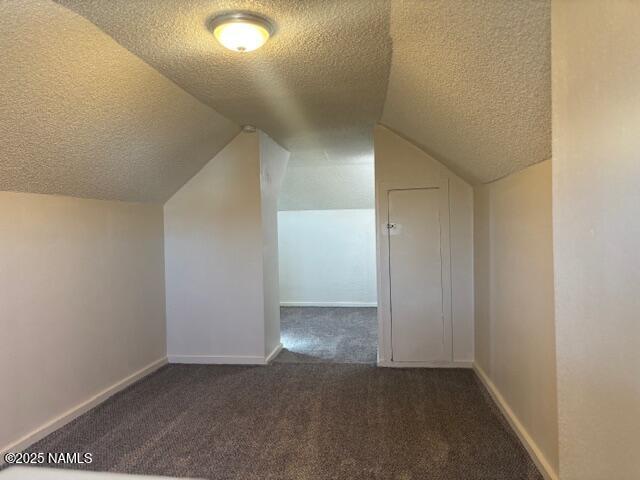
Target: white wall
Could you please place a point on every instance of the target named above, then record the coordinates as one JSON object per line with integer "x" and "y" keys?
{"x": 327, "y": 257}
{"x": 213, "y": 260}
{"x": 327, "y": 229}
{"x": 81, "y": 305}
{"x": 398, "y": 163}
{"x": 515, "y": 336}
{"x": 220, "y": 270}
{"x": 273, "y": 164}
{"x": 596, "y": 211}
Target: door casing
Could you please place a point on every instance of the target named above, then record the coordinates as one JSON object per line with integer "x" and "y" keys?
{"x": 385, "y": 352}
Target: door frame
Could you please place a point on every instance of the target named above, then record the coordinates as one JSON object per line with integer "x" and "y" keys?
{"x": 385, "y": 351}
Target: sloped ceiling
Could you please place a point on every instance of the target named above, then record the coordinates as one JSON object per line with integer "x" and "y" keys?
{"x": 328, "y": 184}
{"x": 82, "y": 116}
{"x": 470, "y": 83}
{"x": 126, "y": 108}
{"x": 317, "y": 86}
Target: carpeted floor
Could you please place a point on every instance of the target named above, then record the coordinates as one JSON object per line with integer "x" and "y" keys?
{"x": 299, "y": 421}
{"x": 326, "y": 334}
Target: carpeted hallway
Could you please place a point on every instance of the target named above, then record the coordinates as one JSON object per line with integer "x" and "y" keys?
{"x": 299, "y": 421}
{"x": 328, "y": 334}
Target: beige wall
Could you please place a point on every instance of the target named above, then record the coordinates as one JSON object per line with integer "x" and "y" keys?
{"x": 596, "y": 176}
{"x": 81, "y": 303}
{"x": 273, "y": 165}
{"x": 399, "y": 163}
{"x": 515, "y": 337}
{"x": 217, "y": 240}
{"x": 213, "y": 260}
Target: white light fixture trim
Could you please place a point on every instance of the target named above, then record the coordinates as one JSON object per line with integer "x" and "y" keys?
{"x": 241, "y": 31}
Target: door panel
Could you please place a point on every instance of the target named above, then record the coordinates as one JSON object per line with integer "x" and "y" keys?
{"x": 416, "y": 276}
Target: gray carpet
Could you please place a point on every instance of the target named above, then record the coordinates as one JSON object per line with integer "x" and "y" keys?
{"x": 325, "y": 334}
{"x": 299, "y": 421}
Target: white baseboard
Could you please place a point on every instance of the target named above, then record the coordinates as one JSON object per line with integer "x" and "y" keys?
{"x": 217, "y": 359}
{"x": 274, "y": 353}
{"x": 328, "y": 304}
{"x": 225, "y": 359}
{"x": 61, "y": 420}
{"x": 530, "y": 445}
{"x": 394, "y": 364}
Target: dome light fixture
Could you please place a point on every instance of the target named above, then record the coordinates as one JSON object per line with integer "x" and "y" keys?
{"x": 241, "y": 31}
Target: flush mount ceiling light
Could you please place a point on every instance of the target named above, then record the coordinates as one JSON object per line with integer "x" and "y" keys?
{"x": 241, "y": 31}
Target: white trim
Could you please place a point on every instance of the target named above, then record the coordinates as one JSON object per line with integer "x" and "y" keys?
{"x": 441, "y": 182}
{"x": 328, "y": 304}
{"x": 455, "y": 364}
{"x": 529, "y": 444}
{"x": 71, "y": 414}
{"x": 226, "y": 359}
{"x": 274, "y": 353}
{"x": 218, "y": 359}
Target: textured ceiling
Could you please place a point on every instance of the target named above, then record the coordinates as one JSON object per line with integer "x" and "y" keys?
{"x": 318, "y": 85}
{"x": 470, "y": 82}
{"x": 327, "y": 184}
{"x": 82, "y": 116}
{"x": 467, "y": 81}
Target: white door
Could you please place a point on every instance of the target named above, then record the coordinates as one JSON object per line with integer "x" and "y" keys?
{"x": 418, "y": 330}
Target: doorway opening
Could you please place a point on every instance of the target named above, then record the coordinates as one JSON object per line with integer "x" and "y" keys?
{"x": 327, "y": 256}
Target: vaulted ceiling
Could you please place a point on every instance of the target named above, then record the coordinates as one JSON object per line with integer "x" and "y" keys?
{"x": 318, "y": 85}
{"x": 127, "y": 99}
{"x": 82, "y": 116}
{"x": 471, "y": 83}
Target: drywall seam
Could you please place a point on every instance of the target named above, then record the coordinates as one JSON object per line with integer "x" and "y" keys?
{"x": 527, "y": 441}
{"x": 92, "y": 402}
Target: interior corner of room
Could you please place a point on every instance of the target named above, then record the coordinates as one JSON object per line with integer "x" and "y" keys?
{"x": 368, "y": 239}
